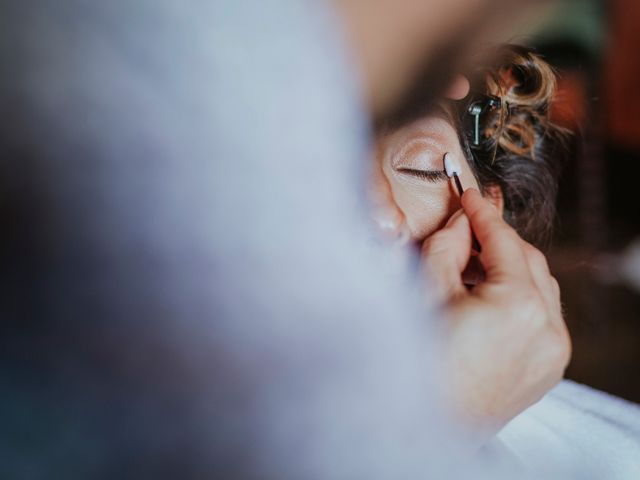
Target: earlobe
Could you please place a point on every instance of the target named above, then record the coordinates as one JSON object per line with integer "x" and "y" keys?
{"x": 493, "y": 193}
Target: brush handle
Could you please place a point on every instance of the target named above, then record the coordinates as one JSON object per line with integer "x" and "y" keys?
{"x": 458, "y": 184}
{"x": 474, "y": 241}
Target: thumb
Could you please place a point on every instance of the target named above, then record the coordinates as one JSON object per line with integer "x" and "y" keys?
{"x": 446, "y": 254}
{"x": 502, "y": 256}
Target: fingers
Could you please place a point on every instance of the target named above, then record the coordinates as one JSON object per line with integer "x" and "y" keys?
{"x": 446, "y": 253}
{"x": 502, "y": 256}
{"x": 506, "y": 257}
{"x": 546, "y": 284}
{"x": 539, "y": 268}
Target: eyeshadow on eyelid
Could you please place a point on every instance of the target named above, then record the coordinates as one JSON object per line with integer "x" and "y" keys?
{"x": 420, "y": 156}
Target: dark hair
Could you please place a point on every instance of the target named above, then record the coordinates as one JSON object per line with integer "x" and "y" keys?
{"x": 519, "y": 148}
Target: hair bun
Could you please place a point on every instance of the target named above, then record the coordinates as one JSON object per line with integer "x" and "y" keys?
{"x": 522, "y": 149}
{"x": 527, "y": 85}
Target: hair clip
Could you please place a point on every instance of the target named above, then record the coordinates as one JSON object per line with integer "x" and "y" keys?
{"x": 481, "y": 105}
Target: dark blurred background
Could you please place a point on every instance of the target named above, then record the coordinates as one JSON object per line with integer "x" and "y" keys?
{"x": 596, "y": 251}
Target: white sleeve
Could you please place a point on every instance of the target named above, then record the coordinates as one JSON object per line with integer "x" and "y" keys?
{"x": 577, "y": 432}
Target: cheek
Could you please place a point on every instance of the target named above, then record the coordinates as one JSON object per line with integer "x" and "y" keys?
{"x": 427, "y": 207}
{"x": 424, "y": 213}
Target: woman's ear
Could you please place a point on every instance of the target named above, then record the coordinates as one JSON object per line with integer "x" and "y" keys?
{"x": 493, "y": 193}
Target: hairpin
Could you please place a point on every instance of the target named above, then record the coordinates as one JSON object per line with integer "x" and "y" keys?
{"x": 481, "y": 105}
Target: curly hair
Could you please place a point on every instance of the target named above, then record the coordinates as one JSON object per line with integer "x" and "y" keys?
{"x": 519, "y": 149}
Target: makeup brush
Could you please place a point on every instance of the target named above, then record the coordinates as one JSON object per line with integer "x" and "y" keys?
{"x": 453, "y": 170}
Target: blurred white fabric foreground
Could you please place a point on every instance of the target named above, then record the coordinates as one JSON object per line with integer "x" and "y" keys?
{"x": 574, "y": 432}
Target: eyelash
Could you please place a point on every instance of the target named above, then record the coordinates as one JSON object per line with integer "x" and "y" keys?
{"x": 428, "y": 175}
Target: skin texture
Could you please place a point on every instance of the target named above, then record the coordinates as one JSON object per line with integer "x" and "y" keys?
{"x": 506, "y": 343}
{"x": 390, "y": 188}
{"x": 409, "y": 206}
{"x": 425, "y": 204}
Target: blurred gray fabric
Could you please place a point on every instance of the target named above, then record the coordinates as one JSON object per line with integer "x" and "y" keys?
{"x": 190, "y": 288}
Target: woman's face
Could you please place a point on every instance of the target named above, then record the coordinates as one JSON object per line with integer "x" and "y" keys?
{"x": 411, "y": 159}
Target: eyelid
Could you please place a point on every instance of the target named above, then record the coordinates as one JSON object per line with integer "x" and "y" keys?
{"x": 428, "y": 175}
{"x": 422, "y": 152}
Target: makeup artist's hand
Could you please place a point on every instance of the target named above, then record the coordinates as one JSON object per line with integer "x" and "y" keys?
{"x": 508, "y": 344}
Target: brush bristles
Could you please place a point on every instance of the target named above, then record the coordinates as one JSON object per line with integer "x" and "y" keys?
{"x": 451, "y": 166}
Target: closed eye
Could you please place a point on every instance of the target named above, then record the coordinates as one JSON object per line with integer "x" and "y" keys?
{"x": 428, "y": 175}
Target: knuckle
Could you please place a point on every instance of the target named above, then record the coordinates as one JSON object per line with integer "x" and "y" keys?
{"x": 555, "y": 286}
{"x": 559, "y": 347}
{"x": 506, "y": 231}
{"x": 530, "y": 308}
{"x": 536, "y": 257}
{"x": 567, "y": 348}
